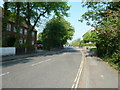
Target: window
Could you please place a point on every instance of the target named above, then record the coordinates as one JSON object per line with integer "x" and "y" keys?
{"x": 14, "y": 29}
{"x": 24, "y": 40}
{"x": 21, "y": 41}
{"x": 33, "y": 34}
{"x": 33, "y": 42}
{"x": 9, "y": 27}
{"x": 21, "y": 31}
{"x": 25, "y": 31}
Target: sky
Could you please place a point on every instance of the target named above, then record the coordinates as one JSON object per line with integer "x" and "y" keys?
{"x": 75, "y": 14}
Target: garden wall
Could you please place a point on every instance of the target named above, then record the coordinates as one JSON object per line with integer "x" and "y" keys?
{"x": 7, "y": 51}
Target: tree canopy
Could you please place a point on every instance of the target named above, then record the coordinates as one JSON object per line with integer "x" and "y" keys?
{"x": 56, "y": 33}
{"x": 90, "y": 36}
{"x": 33, "y": 12}
{"x": 105, "y": 17}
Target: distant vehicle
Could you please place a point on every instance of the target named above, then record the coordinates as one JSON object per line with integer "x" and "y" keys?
{"x": 39, "y": 46}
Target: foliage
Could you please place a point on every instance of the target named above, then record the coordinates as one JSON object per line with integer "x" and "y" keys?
{"x": 109, "y": 36}
{"x": 11, "y": 41}
{"x": 107, "y": 28}
{"x": 90, "y": 36}
{"x": 56, "y": 33}
{"x": 39, "y": 38}
{"x": 79, "y": 43}
{"x": 76, "y": 42}
{"x": 66, "y": 44}
{"x": 23, "y": 45}
{"x": 113, "y": 60}
{"x": 32, "y": 12}
{"x": 97, "y": 11}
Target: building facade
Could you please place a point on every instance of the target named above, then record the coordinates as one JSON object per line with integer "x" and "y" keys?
{"x": 11, "y": 30}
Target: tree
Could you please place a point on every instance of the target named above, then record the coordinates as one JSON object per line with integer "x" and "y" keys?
{"x": 76, "y": 42}
{"x": 4, "y": 23}
{"x": 56, "y": 33}
{"x": 32, "y": 12}
{"x": 107, "y": 28}
{"x": 12, "y": 12}
{"x": 40, "y": 40}
{"x": 90, "y": 36}
{"x": 36, "y": 10}
{"x": 97, "y": 11}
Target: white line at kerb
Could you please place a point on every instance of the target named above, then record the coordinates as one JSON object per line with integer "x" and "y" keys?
{"x": 41, "y": 62}
{"x": 76, "y": 81}
{"x": 4, "y": 74}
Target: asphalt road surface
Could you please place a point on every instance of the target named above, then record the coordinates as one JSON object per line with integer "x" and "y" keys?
{"x": 47, "y": 71}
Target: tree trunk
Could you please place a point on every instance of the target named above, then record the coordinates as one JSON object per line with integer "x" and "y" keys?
{"x": 17, "y": 24}
{"x": 29, "y": 36}
{"x": 4, "y": 26}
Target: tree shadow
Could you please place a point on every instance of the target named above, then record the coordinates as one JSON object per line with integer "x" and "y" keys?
{"x": 20, "y": 61}
{"x": 48, "y": 53}
{"x": 70, "y": 50}
{"x": 91, "y": 54}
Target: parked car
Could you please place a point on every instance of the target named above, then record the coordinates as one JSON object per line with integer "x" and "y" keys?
{"x": 39, "y": 46}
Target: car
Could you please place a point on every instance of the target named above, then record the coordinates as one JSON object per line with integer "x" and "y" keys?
{"x": 39, "y": 46}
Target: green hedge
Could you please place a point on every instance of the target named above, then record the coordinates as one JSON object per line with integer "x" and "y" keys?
{"x": 114, "y": 60}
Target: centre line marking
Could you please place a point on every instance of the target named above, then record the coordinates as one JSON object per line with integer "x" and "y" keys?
{"x": 41, "y": 62}
{"x": 4, "y": 74}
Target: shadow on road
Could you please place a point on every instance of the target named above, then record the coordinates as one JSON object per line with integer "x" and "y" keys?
{"x": 91, "y": 54}
{"x": 49, "y": 53}
{"x": 65, "y": 50}
{"x": 20, "y": 61}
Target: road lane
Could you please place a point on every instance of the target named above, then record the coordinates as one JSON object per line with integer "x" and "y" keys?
{"x": 58, "y": 72}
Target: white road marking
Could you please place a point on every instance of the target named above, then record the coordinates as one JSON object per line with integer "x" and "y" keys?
{"x": 76, "y": 81}
{"x": 4, "y": 74}
{"x": 41, "y": 62}
{"x": 102, "y": 76}
{"x": 63, "y": 53}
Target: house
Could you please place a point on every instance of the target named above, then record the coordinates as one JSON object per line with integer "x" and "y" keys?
{"x": 11, "y": 30}
{"x": 23, "y": 33}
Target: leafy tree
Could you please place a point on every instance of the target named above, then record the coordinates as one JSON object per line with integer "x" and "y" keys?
{"x": 90, "y": 36}
{"x": 56, "y": 33}
{"x": 39, "y": 38}
{"x": 4, "y": 23}
{"x": 109, "y": 36}
{"x": 76, "y": 42}
{"x": 11, "y": 41}
{"x": 97, "y": 11}
{"x": 34, "y": 11}
{"x": 15, "y": 10}
{"x": 107, "y": 28}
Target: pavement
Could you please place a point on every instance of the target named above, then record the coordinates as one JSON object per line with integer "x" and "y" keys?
{"x": 97, "y": 73}
{"x": 50, "y": 71}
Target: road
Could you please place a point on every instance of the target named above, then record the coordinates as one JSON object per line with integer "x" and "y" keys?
{"x": 49, "y": 71}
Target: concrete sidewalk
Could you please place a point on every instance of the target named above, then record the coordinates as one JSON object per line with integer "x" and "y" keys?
{"x": 97, "y": 73}
{"x": 39, "y": 52}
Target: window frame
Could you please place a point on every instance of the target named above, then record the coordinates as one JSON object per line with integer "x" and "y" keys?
{"x": 9, "y": 26}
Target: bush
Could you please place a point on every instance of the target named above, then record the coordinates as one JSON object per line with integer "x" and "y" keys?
{"x": 88, "y": 44}
{"x": 114, "y": 60}
{"x": 23, "y": 45}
